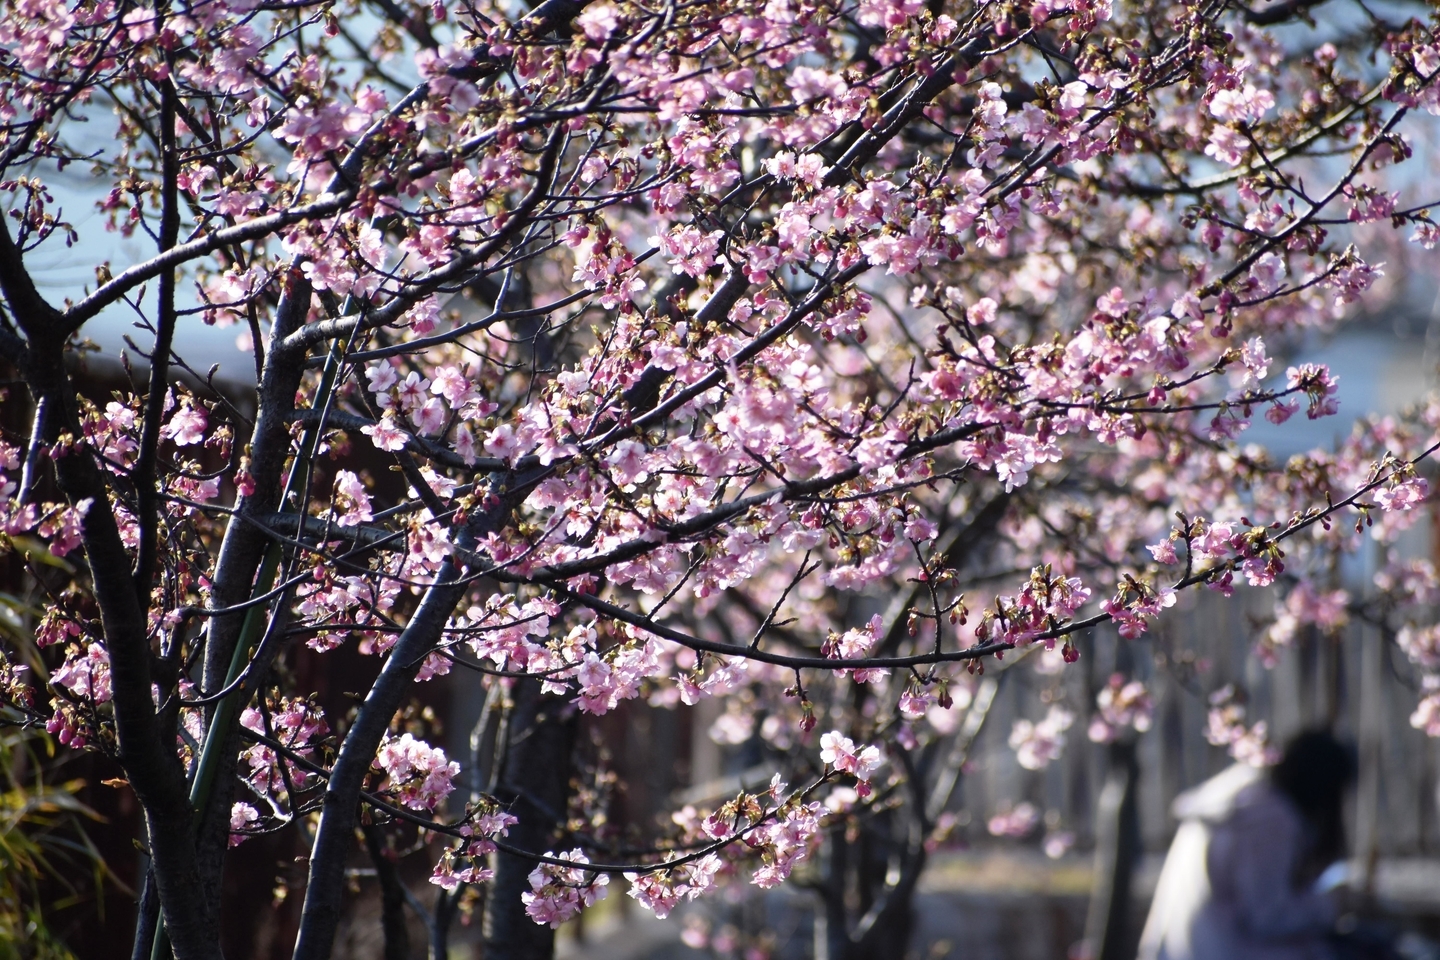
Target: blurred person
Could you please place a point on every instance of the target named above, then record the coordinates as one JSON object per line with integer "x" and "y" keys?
{"x": 1240, "y": 880}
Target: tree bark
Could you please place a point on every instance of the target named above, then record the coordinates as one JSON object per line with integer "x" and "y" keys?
{"x": 335, "y": 835}
{"x": 392, "y": 897}
{"x": 152, "y": 767}
{"x": 1117, "y": 845}
{"x": 535, "y": 784}
{"x": 147, "y": 915}
{"x": 320, "y": 916}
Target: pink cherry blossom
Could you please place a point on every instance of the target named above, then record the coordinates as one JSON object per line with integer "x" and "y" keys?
{"x": 1227, "y": 145}
{"x": 1241, "y": 104}
{"x": 381, "y": 376}
{"x": 243, "y": 817}
{"x": 1036, "y": 744}
{"x": 452, "y": 384}
{"x": 839, "y": 751}
{"x": 1403, "y": 494}
{"x": 86, "y": 676}
{"x": 420, "y": 775}
{"x": 1427, "y": 712}
{"x": 685, "y": 354}
{"x": 1225, "y": 727}
{"x": 352, "y": 494}
{"x": 140, "y": 24}
{"x": 187, "y": 425}
{"x": 429, "y": 418}
{"x": 1017, "y": 821}
{"x": 1120, "y": 704}
{"x": 386, "y": 434}
{"x": 557, "y": 893}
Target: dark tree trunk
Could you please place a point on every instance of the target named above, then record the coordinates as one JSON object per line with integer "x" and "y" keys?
{"x": 864, "y": 917}
{"x": 1117, "y": 845}
{"x": 535, "y": 783}
{"x": 392, "y": 896}
{"x": 147, "y": 915}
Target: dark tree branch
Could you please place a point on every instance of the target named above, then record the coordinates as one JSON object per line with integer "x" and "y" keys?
{"x": 151, "y": 766}
{"x": 320, "y": 915}
{"x": 143, "y": 474}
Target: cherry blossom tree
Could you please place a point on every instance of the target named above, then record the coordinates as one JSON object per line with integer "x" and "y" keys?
{"x": 809, "y": 355}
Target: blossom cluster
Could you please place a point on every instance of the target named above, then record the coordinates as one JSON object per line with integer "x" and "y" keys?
{"x": 1305, "y": 604}
{"x": 1037, "y": 743}
{"x": 417, "y": 774}
{"x": 461, "y": 864}
{"x": 1225, "y": 727}
{"x": 1045, "y": 602}
{"x": 559, "y": 893}
{"x": 300, "y": 728}
{"x": 652, "y": 345}
{"x": 660, "y": 892}
{"x": 1120, "y": 704}
{"x": 1016, "y": 821}
{"x": 85, "y": 680}
{"x": 840, "y": 752}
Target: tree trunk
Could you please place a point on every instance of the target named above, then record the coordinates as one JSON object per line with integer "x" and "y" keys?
{"x": 392, "y": 896}
{"x": 1117, "y": 845}
{"x": 861, "y": 916}
{"x": 535, "y": 784}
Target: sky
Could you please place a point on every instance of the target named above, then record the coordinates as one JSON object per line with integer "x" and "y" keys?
{"x": 62, "y": 273}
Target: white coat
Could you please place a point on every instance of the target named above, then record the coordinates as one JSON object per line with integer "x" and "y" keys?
{"x": 1226, "y": 891}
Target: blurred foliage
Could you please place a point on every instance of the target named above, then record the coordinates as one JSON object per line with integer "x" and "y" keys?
{"x": 48, "y": 863}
